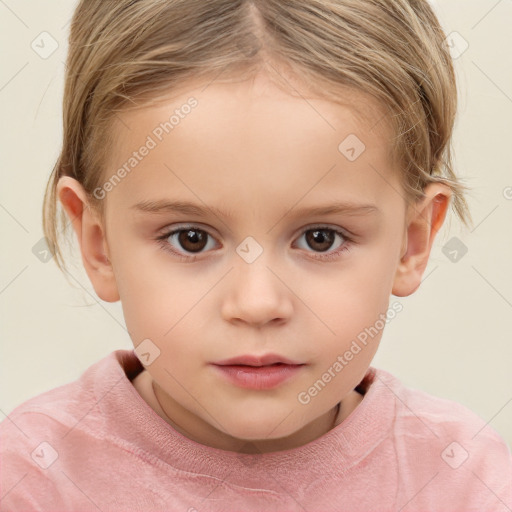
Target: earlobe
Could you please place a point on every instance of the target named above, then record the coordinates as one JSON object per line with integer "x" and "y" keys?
{"x": 91, "y": 238}
{"x": 425, "y": 220}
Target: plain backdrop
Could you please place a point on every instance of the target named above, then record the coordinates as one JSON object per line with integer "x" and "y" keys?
{"x": 453, "y": 337}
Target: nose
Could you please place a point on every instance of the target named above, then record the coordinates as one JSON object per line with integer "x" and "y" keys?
{"x": 255, "y": 296}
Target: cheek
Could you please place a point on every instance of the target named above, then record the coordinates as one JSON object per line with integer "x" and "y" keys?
{"x": 157, "y": 298}
{"x": 351, "y": 306}
{"x": 351, "y": 297}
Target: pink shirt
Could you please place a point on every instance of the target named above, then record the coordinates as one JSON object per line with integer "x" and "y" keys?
{"x": 94, "y": 444}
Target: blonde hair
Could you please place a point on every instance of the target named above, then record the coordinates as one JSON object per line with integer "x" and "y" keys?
{"x": 128, "y": 52}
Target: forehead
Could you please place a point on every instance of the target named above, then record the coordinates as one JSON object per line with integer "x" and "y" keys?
{"x": 259, "y": 93}
{"x": 228, "y": 140}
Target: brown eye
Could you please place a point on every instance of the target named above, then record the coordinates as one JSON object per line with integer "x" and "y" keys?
{"x": 323, "y": 242}
{"x": 192, "y": 240}
{"x": 320, "y": 239}
{"x": 187, "y": 242}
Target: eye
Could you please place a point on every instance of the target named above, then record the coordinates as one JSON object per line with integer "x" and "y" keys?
{"x": 322, "y": 238}
{"x": 186, "y": 240}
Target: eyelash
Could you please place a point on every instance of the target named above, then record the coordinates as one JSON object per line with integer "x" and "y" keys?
{"x": 347, "y": 245}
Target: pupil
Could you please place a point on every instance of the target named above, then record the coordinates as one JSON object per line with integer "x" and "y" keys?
{"x": 320, "y": 236}
{"x": 191, "y": 238}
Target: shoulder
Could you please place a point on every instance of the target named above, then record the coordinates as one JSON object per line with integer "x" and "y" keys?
{"x": 446, "y": 444}
{"x": 62, "y": 405}
{"x": 417, "y": 410}
{"x": 40, "y": 431}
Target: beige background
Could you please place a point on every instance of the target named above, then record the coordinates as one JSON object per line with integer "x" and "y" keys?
{"x": 453, "y": 338}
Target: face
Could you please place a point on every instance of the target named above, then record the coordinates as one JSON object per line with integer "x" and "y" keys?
{"x": 280, "y": 241}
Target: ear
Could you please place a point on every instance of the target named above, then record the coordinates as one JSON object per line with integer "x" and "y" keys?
{"x": 91, "y": 237}
{"x": 424, "y": 219}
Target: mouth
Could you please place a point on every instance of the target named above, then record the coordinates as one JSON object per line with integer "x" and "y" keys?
{"x": 258, "y": 372}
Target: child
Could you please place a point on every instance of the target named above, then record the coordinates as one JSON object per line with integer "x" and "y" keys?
{"x": 303, "y": 146}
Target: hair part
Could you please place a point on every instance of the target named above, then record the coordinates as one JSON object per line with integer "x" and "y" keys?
{"x": 126, "y": 54}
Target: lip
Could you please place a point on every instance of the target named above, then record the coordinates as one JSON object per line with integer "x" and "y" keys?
{"x": 258, "y": 372}
{"x": 258, "y": 377}
{"x": 257, "y": 360}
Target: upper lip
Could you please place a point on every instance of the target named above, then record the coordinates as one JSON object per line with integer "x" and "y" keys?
{"x": 255, "y": 360}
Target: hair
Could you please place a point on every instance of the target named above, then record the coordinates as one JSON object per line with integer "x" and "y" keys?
{"x": 126, "y": 53}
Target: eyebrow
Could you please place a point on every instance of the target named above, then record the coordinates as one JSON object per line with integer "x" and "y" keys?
{"x": 187, "y": 208}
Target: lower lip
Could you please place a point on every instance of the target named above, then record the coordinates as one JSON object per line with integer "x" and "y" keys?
{"x": 259, "y": 377}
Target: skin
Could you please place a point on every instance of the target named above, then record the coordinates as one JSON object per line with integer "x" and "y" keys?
{"x": 262, "y": 154}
